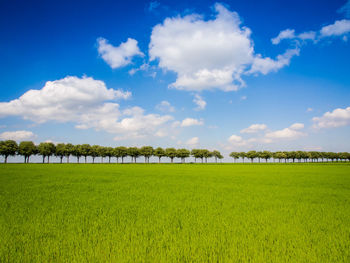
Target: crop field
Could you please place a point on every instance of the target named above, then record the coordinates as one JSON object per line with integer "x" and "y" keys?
{"x": 175, "y": 213}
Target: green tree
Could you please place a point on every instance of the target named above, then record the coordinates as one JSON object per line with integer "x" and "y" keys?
{"x": 182, "y": 154}
{"x": 27, "y": 149}
{"x": 159, "y": 152}
{"x": 251, "y": 155}
{"x": 196, "y": 153}
{"x": 147, "y": 152}
{"x": 235, "y": 155}
{"x": 95, "y": 152}
{"x": 120, "y": 152}
{"x": 102, "y": 152}
{"x": 60, "y": 151}
{"x": 171, "y": 153}
{"x": 109, "y": 153}
{"x": 77, "y": 152}
{"x": 217, "y": 155}
{"x": 8, "y": 148}
{"x": 242, "y": 155}
{"x": 134, "y": 152}
{"x": 85, "y": 150}
{"x": 69, "y": 148}
{"x": 46, "y": 149}
{"x": 266, "y": 155}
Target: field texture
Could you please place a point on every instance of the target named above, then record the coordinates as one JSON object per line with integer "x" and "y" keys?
{"x": 175, "y": 213}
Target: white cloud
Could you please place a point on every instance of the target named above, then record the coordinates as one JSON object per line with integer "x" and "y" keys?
{"x": 200, "y": 102}
{"x": 67, "y": 99}
{"x": 287, "y": 133}
{"x": 120, "y": 56}
{"x": 339, "y": 28}
{"x": 165, "y": 106}
{"x": 284, "y": 34}
{"x": 206, "y": 54}
{"x": 309, "y": 109}
{"x": 87, "y": 103}
{"x": 191, "y": 122}
{"x": 17, "y": 135}
{"x": 236, "y": 140}
{"x": 290, "y": 34}
{"x": 337, "y": 118}
{"x": 297, "y": 126}
{"x": 254, "y": 128}
{"x": 267, "y": 65}
{"x": 193, "y": 142}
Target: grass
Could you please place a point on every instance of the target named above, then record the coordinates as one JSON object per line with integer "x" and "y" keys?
{"x": 175, "y": 213}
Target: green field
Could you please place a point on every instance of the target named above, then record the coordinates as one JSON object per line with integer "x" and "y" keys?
{"x": 175, "y": 213}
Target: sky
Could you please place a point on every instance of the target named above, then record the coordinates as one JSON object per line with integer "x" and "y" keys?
{"x": 231, "y": 75}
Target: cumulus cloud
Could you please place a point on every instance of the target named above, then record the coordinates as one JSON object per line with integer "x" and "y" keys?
{"x": 291, "y": 132}
{"x": 67, "y": 99}
{"x": 17, "y": 135}
{"x": 87, "y": 103}
{"x": 236, "y": 140}
{"x": 339, "y": 28}
{"x": 120, "y": 56}
{"x": 193, "y": 142}
{"x": 290, "y": 34}
{"x": 254, "y": 128}
{"x": 207, "y": 54}
{"x": 191, "y": 122}
{"x": 267, "y": 65}
{"x": 200, "y": 102}
{"x": 165, "y": 106}
{"x": 337, "y": 118}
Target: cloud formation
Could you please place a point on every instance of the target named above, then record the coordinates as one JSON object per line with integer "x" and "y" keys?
{"x": 165, "y": 106}
{"x": 200, "y": 102}
{"x": 209, "y": 54}
{"x": 337, "y": 118}
{"x": 191, "y": 122}
{"x": 291, "y": 132}
{"x": 17, "y": 135}
{"x": 87, "y": 103}
{"x": 193, "y": 142}
{"x": 254, "y": 128}
{"x": 120, "y": 56}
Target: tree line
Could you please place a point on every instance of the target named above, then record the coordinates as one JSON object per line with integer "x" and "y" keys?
{"x": 305, "y": 156}
{"x": 61, "y": 150}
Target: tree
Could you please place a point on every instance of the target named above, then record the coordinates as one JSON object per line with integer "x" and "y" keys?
{"x": 85, "y": 150}
{"x": 196, "y": 153}
{"x": 69, "y": 148}
{"x": 159, "y": 152}
{"x": 242, "y": 155}
{"x": 109, "y": 153}
{"x": 95, "y": 152}
{"x": 60, "y": 151}
{"x": 266, "y": 155}
{"x": 134, "y": 152}
{"x": 217, "y": 155}
{"x": 206, "y": 154}
{"x": 27, "y": 149}
{"x": 251, "y": 155}
{"x": 102, "y": 152}
{"x": 46, "y": 149}
{"x": 235, "y": 155}
{"x": 8, "y": 148}
{"x": 171, "y": 153}
{"x": 120, "y": 151}
{"x": 77, "y": 152}
{"x": 147, "y": 152}
{"x": 183, "y": 154}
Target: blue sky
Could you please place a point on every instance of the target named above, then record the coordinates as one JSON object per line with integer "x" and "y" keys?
{"x": 231, "y": 75}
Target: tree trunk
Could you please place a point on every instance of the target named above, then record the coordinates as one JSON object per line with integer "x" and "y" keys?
{"x": 109, "y": 159}
{"x": 172, "y": 160}
{"x": 93, "y": 159}
{"x": 61, "y": 158}
{"x": 122, "y": 159}
{"x": 78, "y": 159}
{"x": 28, "y": 159}
{"x": 101, "y": 159}
{"x": 67, "y": 158}
{"x": 5, "y": 161}
{"x": 85, "y": 159}
{"x": 43, "y": 159}
{"x": 159, "y": 159}
{"x": 48, "y": 159}
{"x": 216, "y": 159}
